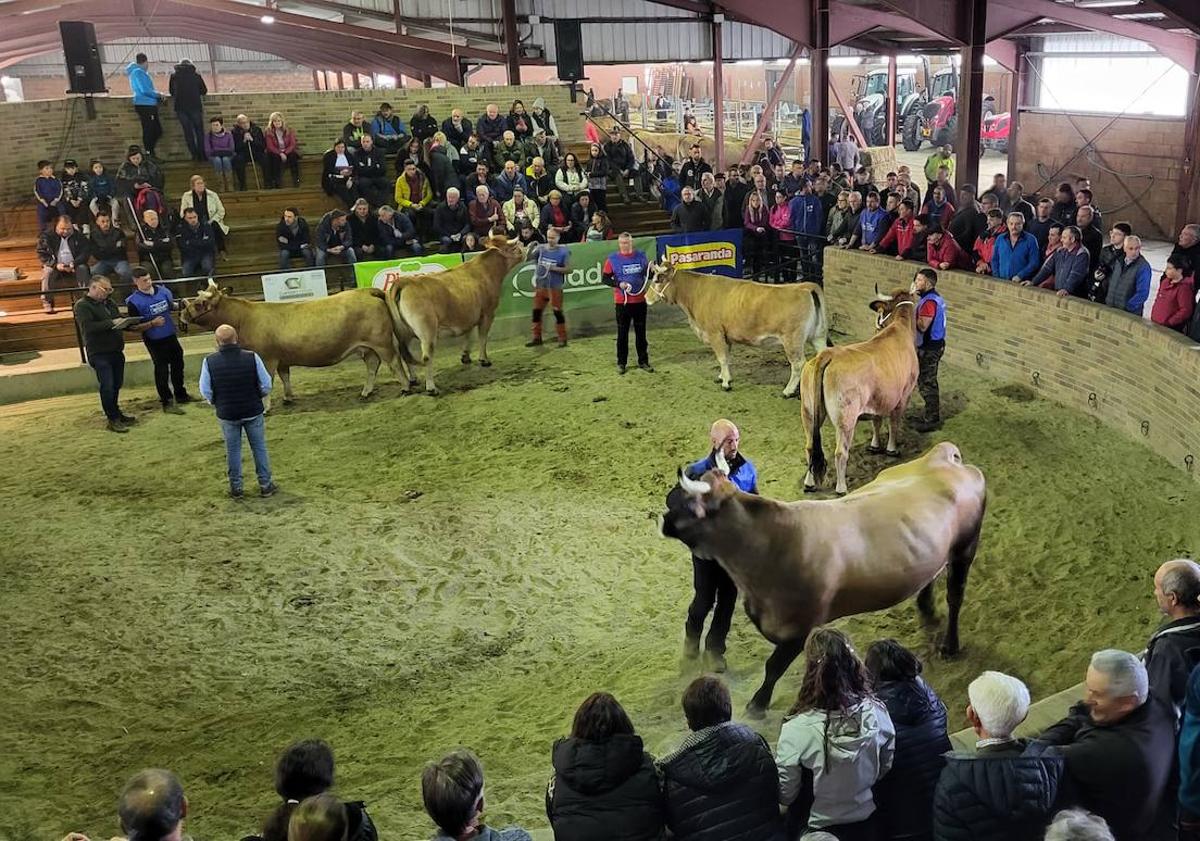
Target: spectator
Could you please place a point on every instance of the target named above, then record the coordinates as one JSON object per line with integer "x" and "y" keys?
{"x": 540, "y": 181}
{"x": 691, "y": 216}
{"x": 152, "y": 807}
{"x": 899, "y": 237}
{"x": 907, "y": 188}
{"x": 1109, "y": 256}
{"x": 968, "y": 221}
{"x": 106, "y": 244}
{"x": 870, "y": 229}
{"x": 1054, "y": 242}
{"x": 305, "y": 770}
{"x": 103, "y": 192}
{"x": 337, "y": 173}
{"x": 999, "y": 190}
{"x": 985, "y": 244}
{"x": 394, "y": 232}
{"x": 1089, "y": 236}
{"x": 137, "y": 173}
{"x": 1066, "y": 270}
{"x": 518, "y": 121}
{"x": 791, "y": 181}
{"x": 364, "y": 230}
{"x": 509, "y": 149}
{"x": 627, "y": 273}
{"x": 413, "y": 194}
{"x": 1083, "y": 198}
{"x": 235, "y": 381}
{"x": 542, "y": 118}
{"x": 478, "y": 178}
{"x": 942, "y": 252}
{"x": 555, "y": 215}
{"x": 904, "y": 796}
{"x": 1015, "y": 255}
{"x": 542, "y": 147}
{"x": 1129, "y": 283}
{"x": 844, "y": 152}
{"x": 452, "y": 789}
{"x": 508, "y": 181}
{"x": 334, "y": 238}
{"x": 721, "y": 783}
{"x": 451, "y": 222}
{"x": 1007, "y": 788}
{"x": 354, "y": 131}
{"x": 250, "y": 147}
{"x": 197, "y": 245}
{"x": 828, "y": 199}
{"x": 218, "y": 148}
{"x": 1078, "y": 825}
{"x": 155, "y": 245}
{"x": 442, "y": 175}
{"x": 596, "y": 169}
{"x": 854, "y": 201}
{"x": 1118, "y": 743}
{"x": 154, "y": 303}
{"x": 550, "y": 268}
{"x": 621, "y": 163}
{"x": 918, "y": 249}
{"x": 294, "y": 241}
{"x": 63, "y": 253}
{"x": 470, "y": 156}
{"x": 187, "y": 90}
{"x": 837, "y": 225}
{"x": 1017, "y": 202}
{"x": 145, "y": 101}
{"x": 423, "y": 124}
{"x": 758, "y": 185}
{"x": 388, "y": 130}
{"x": 807, "y": 217}
{"x": 862, "y": 183}
{"x": 1039, "y": 224}
{"x": 490, "y": 125}
{"x": 570, "y": 178}
{"x": 938, "y": 207}
{"x": 319, "y": 818}
{"x": 841, "y": 736}
{"x": 1188, "y": 244}
{"x": 1063, "y": 211}
{"x": 485, "y": 213}
{"x": 1173, "y": 648}
{"x": 97, "y": 317}
{"x": 1189, "y": 762}
{"x": 281, "y": 150}
{"x": 600, "y": 228}
{"x": 208, "y": 207}
{"x": 457, "y": 129}
{"x": 695, "y": 167}
{"x": 581, "y": 216}
{"x": 756, "y": 234}
{"x": 74, "y": 196}
{"x": 370, "y": 172}
{"x": 1176, "y": 298}
{"x": 782, "y": 240}
{"x": 518, "y": 209}
{"x": 941, "y": 157}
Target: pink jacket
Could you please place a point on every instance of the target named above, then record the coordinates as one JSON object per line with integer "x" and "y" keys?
{"x": 781, "y": 221}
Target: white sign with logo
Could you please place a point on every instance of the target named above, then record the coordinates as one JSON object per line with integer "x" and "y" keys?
{"x": 303, "y": 285}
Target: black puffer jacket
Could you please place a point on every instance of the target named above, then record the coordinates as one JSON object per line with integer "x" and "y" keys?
{"x": 722, "y": 785}
{"x": 1003, "y": 793}
{"x": 904, "y": 798}
{"x": 604, "y": 790}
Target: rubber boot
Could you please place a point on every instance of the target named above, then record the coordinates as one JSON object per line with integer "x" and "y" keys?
{"x": 561, "y": 330}
{"x": 537, "y": 334}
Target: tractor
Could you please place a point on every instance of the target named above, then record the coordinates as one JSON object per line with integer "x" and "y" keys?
{"x": 937, "y": 118}
{"x": 871, "y": 103}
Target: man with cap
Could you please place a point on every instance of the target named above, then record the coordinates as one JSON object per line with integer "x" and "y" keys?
{"x": 931, "y": 344}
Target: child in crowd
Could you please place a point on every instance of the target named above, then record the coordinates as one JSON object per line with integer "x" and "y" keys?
{"x": 75, "y": 201}
{"x": 48, "y": 191}
{"x": 102, "y": 188}
{"x": 218, "y": 146}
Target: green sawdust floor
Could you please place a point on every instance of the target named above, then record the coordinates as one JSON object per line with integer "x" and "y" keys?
{"x": 465, "y": 570}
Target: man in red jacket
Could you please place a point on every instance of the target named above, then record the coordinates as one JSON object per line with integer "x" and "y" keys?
{"x": 943, "y": 252}
{"x": 1176, "y": 294}
{"x": 985, "y": 242}
{"x": 899, "y": 236}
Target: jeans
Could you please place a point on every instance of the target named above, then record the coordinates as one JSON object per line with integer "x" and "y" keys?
{"x": 110, "y": 267}
{"x": 192, "y": 123}
{"x": 451, "y": 246}
{"x": 632, "y": 314}
{"x": 304, "y": 252}
{"x": 167, "y": 355}
{"x": 198, "y": 266}
{"x": 51, "y": 276}
{"x": 274, "y": 169}
{"x": 347, "y": 255}
{"x": 151, "y": 126}
{"x": 110, "y": 374}
{"x": 716, "y": 592}
{"x": 928, "y": 358}
{"x": 390, "y": 249}
{"x": 257, "y": 436}
{"x": 223, "y": 164}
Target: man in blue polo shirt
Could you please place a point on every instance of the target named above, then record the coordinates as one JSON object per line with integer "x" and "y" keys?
{"x": 873, "y": 223}
{"x": 149, "y": 302}
{"x": 549, "y": 271}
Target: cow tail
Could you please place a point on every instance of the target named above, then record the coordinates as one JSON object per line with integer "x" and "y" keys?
{"x": 821, "y": 329}
{"x": 813, "y": 391}
{"x": 401, "y": 332}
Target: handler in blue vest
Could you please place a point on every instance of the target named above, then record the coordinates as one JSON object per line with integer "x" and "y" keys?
{"x": 627, "y": 272}
{"x": 714, "y": 589}
{"x": 150, "y": 302}
{"x": 931, "y": 344}
{"x": 235, "y": 381}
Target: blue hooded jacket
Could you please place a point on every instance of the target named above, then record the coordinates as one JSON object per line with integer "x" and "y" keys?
{"x": 141, "y": 84}
{"x": 807, "y": 215}
{"x": 1020, "y": 260}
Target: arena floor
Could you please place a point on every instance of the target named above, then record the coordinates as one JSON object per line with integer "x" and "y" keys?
{"x": 464, "y": 570}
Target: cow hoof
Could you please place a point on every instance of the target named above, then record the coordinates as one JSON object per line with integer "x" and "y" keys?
{"x": 948, "y": 651}
{"x": 485, "y": 363}
{"x": 413, "y": 383}
{"x": 787, "y": 395}
{"x": 841, "y": 493}
{"x": 287, "y": 401}
{"x": 726, "y": 386}
{"x": 366, "y": 395}
{"x": 892, "y": 453}
{"x": 755, "y": 712}
{"x": 875, "y": 451}
{"x": 811, "y": 489}
{"x": 432, "y": 391}
{"x": 466, "y": 359}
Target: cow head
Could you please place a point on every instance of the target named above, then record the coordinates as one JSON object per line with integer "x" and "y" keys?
{"x": 887, "y": 307}
{"x": 200, "y": 310}
{"x": 661, "y": 286}
{"x": 512, "y": 250}
{"x": 695, "y": 507}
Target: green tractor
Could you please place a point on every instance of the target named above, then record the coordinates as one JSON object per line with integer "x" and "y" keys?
{"x": 871, "y": 104}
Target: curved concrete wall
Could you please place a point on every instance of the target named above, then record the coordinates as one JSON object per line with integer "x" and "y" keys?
{"x": 1138, "y": 378}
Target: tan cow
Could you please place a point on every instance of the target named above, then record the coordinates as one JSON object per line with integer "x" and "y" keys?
{"x": 308, "y": 334}
{"x": 801, "y": 564}
{"x": 723, "y": 311}
{"x": 875, "y": 378}
{"x": 455, "y": 301}
{"x": 679, "y": 146}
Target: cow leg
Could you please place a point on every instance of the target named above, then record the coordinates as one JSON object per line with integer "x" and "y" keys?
{"x": 372, "y": 360}
{"x": 925, "y": 602}
{"x": 721, "y": 348}
{"x": 795, "y": 357}
{"x": 399, "y": 367}
{"x": 841, "y": 455}
{"x": 485, "y": 327}
{"x": 894, "y": 421}
{"x": 427, "y": 341}
{"x": 285, "y": 375}
{"x": 778, "y": 663}
{"x": 466, "y": 354}
{"x": 876, "y": 426}
{"x": 961, "y": 557}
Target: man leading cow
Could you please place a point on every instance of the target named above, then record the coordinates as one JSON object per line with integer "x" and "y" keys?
{"x": 931, "y": 344}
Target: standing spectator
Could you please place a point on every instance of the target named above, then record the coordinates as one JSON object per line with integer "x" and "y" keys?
{"x": 1083, "y": 198}
{"x": 1007, "y": 788}
{"x": 1188, "y": 244}
{"x": 968, "y": 221}
{"x": 74, "y": 196}
{"x": 457, "y": 129}
{"x": 103, "y": 192}
{"x": 807, "y": 216}
{"x": 627, "y": 272}
{"x": 736, "y": 191}
{"x": 370, "y": 172}
{"x": 904, "y": 797}
{"x": 597, "y": 175}
{"x": 209, "y": 208}
{"x": 999, "y": 189}
{"x": 1189, "y": 762}
{"x": 720, "y": 783}
{"x": 187, "y": 91}
{"x": 219, "y": 148}
{"x": 782, "y": 241}
{"x": 1064, "y": 208}
{"x": 145, "y": 101}
{"x": 1118, "y": 743}
{"x": 985, "y": 243}
{"x": 1109, "y": 256}
{"x": 97, "y": 317}
{"x": 1089, "y": 235}
{"x": 413, "y": 194}
{"x": 396, "y": 231}
{"x": 281, "y": 150}
{"x": 931, "y": 345}
{"x": 423, "y": 124}
{"x": 442, "y": 175}
{"x": 305, "y": 770}
{"x": 333, "y": 238}
{"x": 364, "y": 230}
{"x": 63, "y": 253}
{"x": 337, "y": 173}
{"x": 839, "y": 737}
{"x": 942, "y": 252}
{"x": 844, "y": 152}
{"x": 292, "y": 234}
{"x": 1015, "y": 255}
{"x": 837, "y": 227}
{"x": 1129, "y": 283}
{"x": 550, "y": 269}
{"x": 155, "y": 244}
{"x": 48, "y": 192}
{"x": 1040, "y": 224}
{"x": 354, "y": 131}
{"x": 621, "y": 163}
{"x": 791, "y": 181}
{"x": 250, "y": 147}
{"x": 388, "y": 130}
{"x": 941, "y": 158}
{"x": 485, "y": 213}
{"x": 1066, "y": 269}
{"x": 197, "y": 245}
{"x": 938, "y": 207}
{"x": 694, "y": 168}
{"x": 756, "y": 234}
{"x": 870, "y": 229}
{"x": 153, "y": 303}
{"x": 1017, "y": 202}
{"x": 899, "y": 237}
{"x": 452, "y": 789}
{"x": 106, "y": 244}
{"x": 1176, "y": 298}
{"x": 451, "y": 222}
{"x": 862, "y": 182}
{"x": 690, "y": 216}
{"x": 235, "y": 381}
{"x": 1172, "y": 651}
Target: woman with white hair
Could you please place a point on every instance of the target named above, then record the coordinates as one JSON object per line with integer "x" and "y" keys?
{"x": 1078, "y": 825}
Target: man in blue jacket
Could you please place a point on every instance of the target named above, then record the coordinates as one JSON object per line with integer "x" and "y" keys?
{"x": 1066, "y": 270}
{"x": 1015, "y": 256}
{"x": 145, "y": 101}
{"x": 153, "y": 304}
{"x": 807, "y": 221}
{"x": 873, "y": 223}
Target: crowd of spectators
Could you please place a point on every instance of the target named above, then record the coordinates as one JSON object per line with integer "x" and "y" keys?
{"x": 864, "y": 753}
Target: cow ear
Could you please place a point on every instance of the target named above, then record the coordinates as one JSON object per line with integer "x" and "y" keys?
{"x": 877, "y": 306}
{"x": 228, "y": 290}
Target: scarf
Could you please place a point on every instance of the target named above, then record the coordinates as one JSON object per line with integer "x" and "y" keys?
{"x": 416, "y": 184}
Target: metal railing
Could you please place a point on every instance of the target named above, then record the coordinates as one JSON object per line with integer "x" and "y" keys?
{"x": 741, "y": 119}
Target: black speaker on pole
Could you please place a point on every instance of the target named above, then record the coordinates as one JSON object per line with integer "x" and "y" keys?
{"x": 84, "y": 72}
{"x": 568, "y": 50}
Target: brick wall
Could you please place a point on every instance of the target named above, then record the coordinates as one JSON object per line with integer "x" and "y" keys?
{"x": 57, "y": 129}
{"x": 1134, "y": 147}
{"x": 1136, "y": 371}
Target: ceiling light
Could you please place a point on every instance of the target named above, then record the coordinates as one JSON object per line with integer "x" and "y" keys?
{"x": 267, "y": 18}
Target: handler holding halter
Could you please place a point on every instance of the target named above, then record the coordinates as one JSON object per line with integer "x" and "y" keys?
{"x": 715, "y": 590}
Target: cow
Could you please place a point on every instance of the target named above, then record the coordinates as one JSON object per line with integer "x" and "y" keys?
{"x": 801, "y": 564}
{"x": 308, "y": 334}
{"x": 455, "y": 301}
{"x": 723, "y": 312}
{"x": 875, "y": 378}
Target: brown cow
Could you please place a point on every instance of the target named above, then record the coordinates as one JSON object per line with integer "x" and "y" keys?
{"x": 801, "y": 564}
{"x": 723, "y": 311}
{"x": 875, "y": 377}
{"x": 308, "y": 334}
{"x": 454, "y": 301}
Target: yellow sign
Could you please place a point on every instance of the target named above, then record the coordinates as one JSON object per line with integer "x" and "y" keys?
{"x": 702, "y": 255}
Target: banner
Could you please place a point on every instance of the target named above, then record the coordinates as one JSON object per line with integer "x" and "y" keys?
{"x": 582, "y": 286}
{"x": 382, "y": 273}
{"x": 299, "y": 285}
{"x": 714, "y": 252}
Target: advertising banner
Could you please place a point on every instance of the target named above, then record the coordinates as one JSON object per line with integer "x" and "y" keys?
{"x": 382, "y": 273}
{"x": 714, "y": 252}
{"x": 301, "y": 285}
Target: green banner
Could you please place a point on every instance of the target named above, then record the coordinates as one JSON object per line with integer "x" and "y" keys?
{"x": 380, "y": 273}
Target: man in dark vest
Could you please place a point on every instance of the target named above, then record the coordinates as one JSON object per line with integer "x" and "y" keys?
{"x": 235, "y": 381}
{"x": 931, "y": 344}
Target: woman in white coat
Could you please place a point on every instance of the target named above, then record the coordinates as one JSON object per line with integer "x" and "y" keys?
{"x": 209, "y": 208}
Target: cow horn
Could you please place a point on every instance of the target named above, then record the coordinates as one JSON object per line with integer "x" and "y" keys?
{"x": 514, "y": 240}
{"x": 212, "y": 284}
{"x": 691, "y": 486}
{"x": 722, "y": 464}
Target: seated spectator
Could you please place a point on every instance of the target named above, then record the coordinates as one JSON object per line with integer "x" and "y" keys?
{"x": 479, "y": 178}
{"x": 600, "y": 228}
{"x": 720, "y": 784}
{"x": 470, "y": 156}
{"x": 621, "y": 162}
{"x": 451, "y": 222}
{"x": 508, "y": 149}
{"x": 605, "y": 785}
{"x": 102, "y": 192}
{"x": 556, "y": 216}
{"x": 282, "y": 150}
{"x": 1176, "y": 298}
{"x": 333, "y": 238}
{"x": 337, "y": 173}
{"x": 106, "y": 245}
{"x": 1064, "y": 207}
{"x": 219, "y": 148}
{"x": 938, "y": 206}
{"x": 413, "y": 194}
{"x": 1078, "y": 825}
{"x": 1066, "y": 270}
{"x": 1039, "y": 225}
{"x": 155, "y": 245}
{"x": 1015, "y": 255}
{"x": 423, "y": 125}
{"x": 354, "y": 131}
{"x": 319, "y": 818}
{"x": 364, "y": 230}
{"x": 570, "y": 178}
{"x": 543, "y": 119}
{"x": 208, "y": 207}
{"x": 509, "y": 179}
{"x": 491, "y": 126}
{"x": 452, "y": 789}
{"x": 250, "y": 147}
{"x": 942, "y": 251}
{"x": 458, "y": 129}
{"x": 1129, "y": 282}
{"x": 839, "y": 737}
{"x": 442, "y": 175}
{"x": 412, "y": 152}
{"x": 1188, "y": 244}
{"x": 63, "y": 252}
{"x": 540, "y": 181}
{"x": 581, "y": 217}
{"x": 485, "y": 213}
{"x": 899, "y": 237}
{"x": 542, "y": 146}
{"x": 396, "y": 232}
{"x": 305, "y": 771}
{"x": 197, "y": 245}
{"x": 294, "y": 241}
{"x": 904, "y": 796}
{"x": 471, "y": 243}
{"x": 1118, "y": 743}
{"x": 370, "y": 172}
{"x": 388, "y": 130}
{"x": 136, "y": 174}
{"x": 690, "y": 216}
{"x": 1174, "y": 649}
{"x": 1007, "y": 789}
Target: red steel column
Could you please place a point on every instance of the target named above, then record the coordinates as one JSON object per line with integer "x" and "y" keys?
{"x": 1016, "y": 98}
{"x": 969, "y": 110}
{"x": 512, "y": 51}
{"x": 819, "y": 73}
{"x": 718, "y": 92}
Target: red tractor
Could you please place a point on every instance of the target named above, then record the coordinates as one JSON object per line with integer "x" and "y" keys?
{"x": 937, "y": 120}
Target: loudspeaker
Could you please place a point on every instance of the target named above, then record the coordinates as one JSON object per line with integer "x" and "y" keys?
{"x": 568, "y": 50}
{"x": 84, "y": 72}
